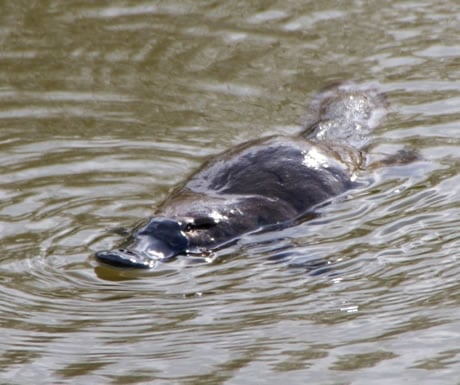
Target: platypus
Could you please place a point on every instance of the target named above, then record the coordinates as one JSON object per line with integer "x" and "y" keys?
{"x": 261, "y": 185}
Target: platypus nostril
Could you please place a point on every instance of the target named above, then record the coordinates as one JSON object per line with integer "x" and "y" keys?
{"x": 124, "y": 258}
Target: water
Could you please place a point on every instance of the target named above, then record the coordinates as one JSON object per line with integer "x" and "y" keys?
{"x": 105, "y": 108}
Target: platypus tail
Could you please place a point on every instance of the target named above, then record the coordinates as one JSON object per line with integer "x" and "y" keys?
{"x": 345, "y": 113}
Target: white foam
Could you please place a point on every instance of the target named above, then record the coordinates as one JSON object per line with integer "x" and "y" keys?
{"x": 315, "y": 159}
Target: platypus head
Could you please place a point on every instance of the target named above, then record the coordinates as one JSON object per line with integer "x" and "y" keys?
{"x": 184, "y": 227}
{"x": 159, "y": 240}
{"x": 199, "y": 230}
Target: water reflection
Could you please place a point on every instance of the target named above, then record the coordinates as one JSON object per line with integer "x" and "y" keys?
{"x": 105, "y": 108}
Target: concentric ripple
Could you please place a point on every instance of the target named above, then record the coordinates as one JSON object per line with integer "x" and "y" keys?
{"x": 105, "y": 108}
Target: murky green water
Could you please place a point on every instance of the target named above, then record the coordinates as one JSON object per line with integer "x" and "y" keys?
{"x": 106, "y": 106}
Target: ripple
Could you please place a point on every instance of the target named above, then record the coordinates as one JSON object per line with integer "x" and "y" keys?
{"x": 106, "y": 108}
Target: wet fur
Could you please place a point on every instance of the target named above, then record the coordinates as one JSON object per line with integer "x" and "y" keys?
{"x": 262, "y": 184}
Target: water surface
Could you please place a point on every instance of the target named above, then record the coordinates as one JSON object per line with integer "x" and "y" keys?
{"x": 107, "y": 106}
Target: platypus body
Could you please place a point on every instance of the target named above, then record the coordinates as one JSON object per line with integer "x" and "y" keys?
{"x": 262, "y": 184}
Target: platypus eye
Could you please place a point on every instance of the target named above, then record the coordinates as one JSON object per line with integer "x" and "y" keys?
{"x": 203, "y": 223}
